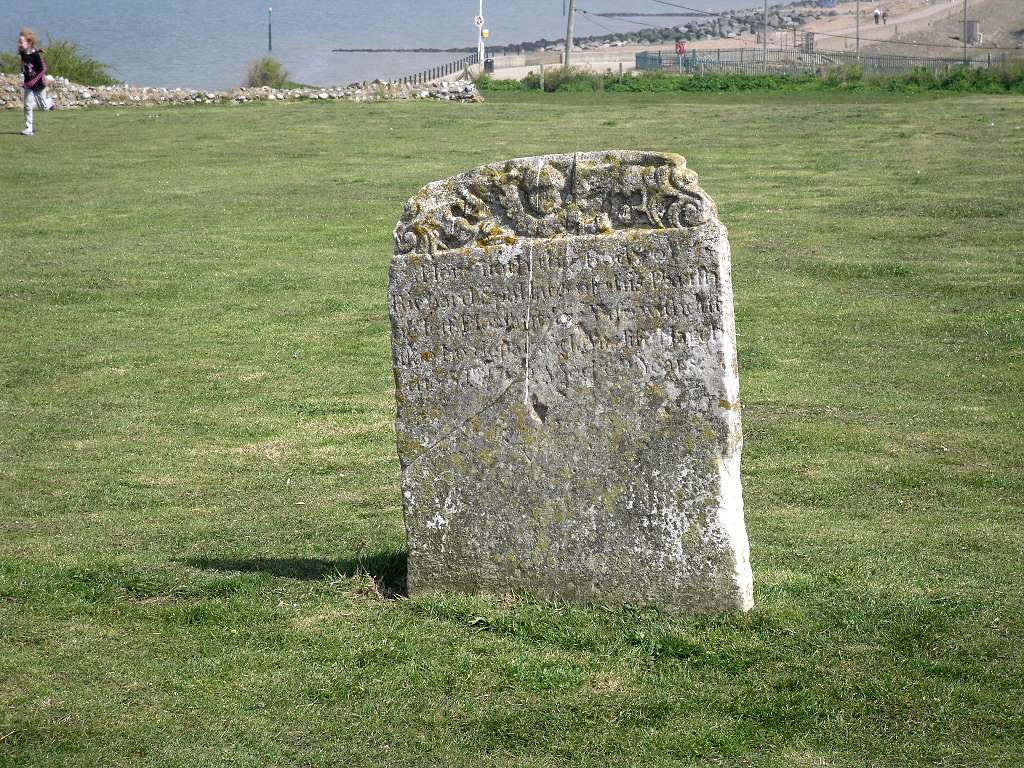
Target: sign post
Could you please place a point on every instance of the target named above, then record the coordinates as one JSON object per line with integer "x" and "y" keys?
{"x": 479, "y": 21}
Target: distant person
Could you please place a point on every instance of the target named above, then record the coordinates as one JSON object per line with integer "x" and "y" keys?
{"x": 33, "y": 70}
{"x": 878, "y": 15}
{"x": 885, "y": 15}
{"x": 680, "y": 47}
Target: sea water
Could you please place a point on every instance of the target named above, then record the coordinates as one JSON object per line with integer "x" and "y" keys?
{"x": 212, "y": 43}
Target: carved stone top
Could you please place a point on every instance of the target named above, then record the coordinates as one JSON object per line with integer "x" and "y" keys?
{"x": 551, "y": 196}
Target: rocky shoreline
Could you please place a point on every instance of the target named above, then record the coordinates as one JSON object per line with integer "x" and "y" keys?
{"x": 722, "y": 25}
{"x": 69, "y": 95}
{"x": 726, "y": 25}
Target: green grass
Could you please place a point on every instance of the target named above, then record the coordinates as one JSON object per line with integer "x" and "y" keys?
{"x": 198, "y": 477}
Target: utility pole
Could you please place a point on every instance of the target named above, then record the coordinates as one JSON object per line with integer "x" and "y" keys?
{"x": 568, "y": 34}
{"x": 858, "y": 30}
{"x": 764, "y": 37}
{"x": 270, "y": 28}
{"x": 965, "y": 31}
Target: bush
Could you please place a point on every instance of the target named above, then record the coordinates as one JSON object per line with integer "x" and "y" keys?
{"x": 565, "y": 79}
{"x": 487, "y": 83}
{"x": 998, "y": 79}
{"x": 267, "y": 71}
{"x": 9, "y": 62}
{"x": 64, "y": 59}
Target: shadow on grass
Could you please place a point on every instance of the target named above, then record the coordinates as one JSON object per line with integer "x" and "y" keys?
{"x": 386, "y": 569}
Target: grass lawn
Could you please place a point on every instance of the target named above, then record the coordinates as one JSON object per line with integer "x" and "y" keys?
{"x": 199, "y": 501}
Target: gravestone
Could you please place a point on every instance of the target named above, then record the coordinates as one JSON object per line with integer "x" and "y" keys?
{"x": 567, "y": 386}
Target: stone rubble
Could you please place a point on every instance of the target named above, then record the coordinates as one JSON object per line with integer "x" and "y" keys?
{"x": 69, "y": 95}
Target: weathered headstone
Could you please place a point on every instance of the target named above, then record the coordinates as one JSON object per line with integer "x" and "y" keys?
{"x": 568, "y": 395}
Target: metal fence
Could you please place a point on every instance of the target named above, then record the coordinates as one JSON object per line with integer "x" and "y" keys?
{"x": 752, "y": 61}
{"x": 436, "y": 73}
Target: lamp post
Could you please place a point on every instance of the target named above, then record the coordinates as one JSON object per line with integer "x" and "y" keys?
{"x": 270, "y": 28}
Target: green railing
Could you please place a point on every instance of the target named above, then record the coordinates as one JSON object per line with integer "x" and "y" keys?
{"x": 790, "y": 60}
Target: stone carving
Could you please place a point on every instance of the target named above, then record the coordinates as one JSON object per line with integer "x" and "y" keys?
{"x": 583, "y": 194}
{"x": 568, "y": 407}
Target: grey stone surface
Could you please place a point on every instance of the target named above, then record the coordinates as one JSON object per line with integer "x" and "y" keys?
{"x": 568, "y": 395}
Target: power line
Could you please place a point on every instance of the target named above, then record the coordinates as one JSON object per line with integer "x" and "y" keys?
{"x": 628, "y": 21}
{"x": 667, "y": 14}
{"x": 695, "y": 11}
{"x": 598, "y": 23}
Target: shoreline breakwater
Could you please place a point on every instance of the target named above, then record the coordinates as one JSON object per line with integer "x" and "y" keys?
{"x": 708, "y": 25}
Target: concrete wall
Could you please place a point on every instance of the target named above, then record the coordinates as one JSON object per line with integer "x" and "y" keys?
{"x": 597, "y": 60}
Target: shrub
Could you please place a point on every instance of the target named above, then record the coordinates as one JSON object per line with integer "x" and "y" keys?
{"x": 64, "y": 59}
{"x": 487, "y": 83}
{"x": 267, "y": 71}
{"x": 572, "y": 80}
{"x": 999, "y": 79}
